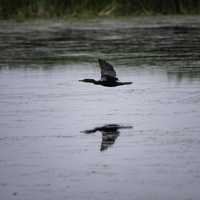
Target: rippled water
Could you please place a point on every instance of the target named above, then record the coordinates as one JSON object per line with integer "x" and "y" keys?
{"x": 63, "y": 139}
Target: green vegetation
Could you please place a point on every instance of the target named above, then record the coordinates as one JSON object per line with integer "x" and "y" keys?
{"x": 78, "y": 8}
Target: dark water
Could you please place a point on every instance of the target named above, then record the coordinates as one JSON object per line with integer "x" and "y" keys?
{"x": 63, "y": 139}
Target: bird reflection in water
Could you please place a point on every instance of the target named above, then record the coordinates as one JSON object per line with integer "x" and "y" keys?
{"x": 110, "y": 133}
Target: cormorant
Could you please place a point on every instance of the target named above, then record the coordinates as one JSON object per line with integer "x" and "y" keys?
{"x": 110, "y": 133}
{"x": 108, "y": 76}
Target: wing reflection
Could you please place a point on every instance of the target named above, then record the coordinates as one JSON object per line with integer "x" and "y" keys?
{"x": 110, "y": 133}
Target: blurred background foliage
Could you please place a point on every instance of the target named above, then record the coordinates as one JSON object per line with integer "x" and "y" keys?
{"x": 75, "y": 8}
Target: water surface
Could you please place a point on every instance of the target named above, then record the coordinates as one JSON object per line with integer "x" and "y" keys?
{"x": 46, "y": 115}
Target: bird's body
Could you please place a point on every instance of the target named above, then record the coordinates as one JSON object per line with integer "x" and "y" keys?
{"x": 108, "y": 76}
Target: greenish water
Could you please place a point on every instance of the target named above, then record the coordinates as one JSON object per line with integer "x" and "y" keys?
{"x": 63, "y": 139}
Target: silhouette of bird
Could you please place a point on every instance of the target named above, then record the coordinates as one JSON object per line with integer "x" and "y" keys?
{"x": 108, "y": 76}
{"x": 110, "y": 133}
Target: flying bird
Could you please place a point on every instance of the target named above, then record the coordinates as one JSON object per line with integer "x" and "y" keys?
{"x": 108, "y": 76}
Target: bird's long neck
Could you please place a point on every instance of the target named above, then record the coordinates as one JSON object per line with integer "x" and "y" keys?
{"x": 90, "y": 81}
{"x": 93, "y": 81}
{"x": 124, "y": 83}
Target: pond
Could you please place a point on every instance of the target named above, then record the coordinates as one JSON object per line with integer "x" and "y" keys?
{"x": 64, "y": 139}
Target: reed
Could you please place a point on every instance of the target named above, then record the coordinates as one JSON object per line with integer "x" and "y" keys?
{"x": 59, "y": 8}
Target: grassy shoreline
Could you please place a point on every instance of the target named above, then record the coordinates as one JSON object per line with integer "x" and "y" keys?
{"x": 35, "y": 9}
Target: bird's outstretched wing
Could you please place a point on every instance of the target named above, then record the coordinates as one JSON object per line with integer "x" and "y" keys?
{"x": 107, "y": 71}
